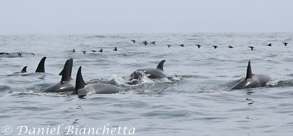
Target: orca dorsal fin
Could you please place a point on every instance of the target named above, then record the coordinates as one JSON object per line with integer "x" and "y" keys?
{"x": 66, "y": 72}
{"x": 248, "y": 72}
{"x": 161, "y": 65}
{"x": 23, "y": 69}
{"x": 41, "y": 66}
{"x": 71, "y": 63}
{"x": 79, "y": 81}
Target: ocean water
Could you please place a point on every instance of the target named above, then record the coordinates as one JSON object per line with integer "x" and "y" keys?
{"x": 195, "y": 100}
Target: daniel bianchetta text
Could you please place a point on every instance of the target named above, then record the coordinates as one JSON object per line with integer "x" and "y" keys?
{"x": 75, "y": 130}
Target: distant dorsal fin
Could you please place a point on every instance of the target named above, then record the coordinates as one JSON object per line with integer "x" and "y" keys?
{"x": 160, "y": 65}
{"x": 248, "y": 72}
{"x": 24, "y": 69}
{"x": 66, "y": 74}
{"x": 41, "y": 66}
{"x": 79, "y": 81}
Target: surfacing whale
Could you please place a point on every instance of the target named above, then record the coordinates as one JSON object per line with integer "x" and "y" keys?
{"x": 82, "y": 89}
{"x": 67, "y": 83}
{"x": 153, "y": 73}
{"x": 252, "y": 80}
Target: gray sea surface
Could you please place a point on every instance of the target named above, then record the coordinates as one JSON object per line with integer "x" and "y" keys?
{"x": 196, "y": 99}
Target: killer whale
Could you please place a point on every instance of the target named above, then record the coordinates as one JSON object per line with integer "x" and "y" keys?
{"x": 153, "y": 73}
{"x": 40, "y": 69}
{"x": 252, "y": 80}
{"x": 82, "y": 89}
{"x": 67, "y": 83}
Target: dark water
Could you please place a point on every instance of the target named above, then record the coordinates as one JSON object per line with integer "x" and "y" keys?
{"x": 196, "y": 100}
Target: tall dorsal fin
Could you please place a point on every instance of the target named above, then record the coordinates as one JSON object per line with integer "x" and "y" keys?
{"x": 71, "y": 61}
{"x": 79, "y": 81}
{"x": 23, "y": 69}
{"x": 41, "y": 66}
{"x": 160, "y": 65}
{"x": 66, "y": 74}
{"x": 248, "y": 72}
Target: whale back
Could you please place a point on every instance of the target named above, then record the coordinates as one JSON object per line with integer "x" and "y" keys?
{"x": 67, "y": 83}
{"x": 252, "y": 80}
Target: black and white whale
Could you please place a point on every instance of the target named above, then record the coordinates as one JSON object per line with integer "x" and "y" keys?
{"x": 252, "y": 80}
{"x": 153, "y": 73}
{"x": 67, "y": 83}
{"x": 82, "y": 89}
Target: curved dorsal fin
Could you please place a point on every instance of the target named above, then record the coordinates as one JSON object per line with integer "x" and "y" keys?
{"x": 23, "y": 69}
{"x": 248, "y": 72}
{"x": 160, "y": 65}
{"x": 41, "y": 66}
{"x": 71, "y": 61}
{"x": 66, "y": 72}
{"x": 79, "y": 81}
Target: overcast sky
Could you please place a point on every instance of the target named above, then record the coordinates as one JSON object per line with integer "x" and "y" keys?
{"x": 144, "y": 16}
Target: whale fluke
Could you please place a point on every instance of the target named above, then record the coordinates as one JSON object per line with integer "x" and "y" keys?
{"x": 66, "y": 72}
{"x": 248, "y": 72}
{"x": 23, "y": 69}
{"x": 79, "y": 81}
{"x": 41, "y": 66}
{"x": 160, "y": 65}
